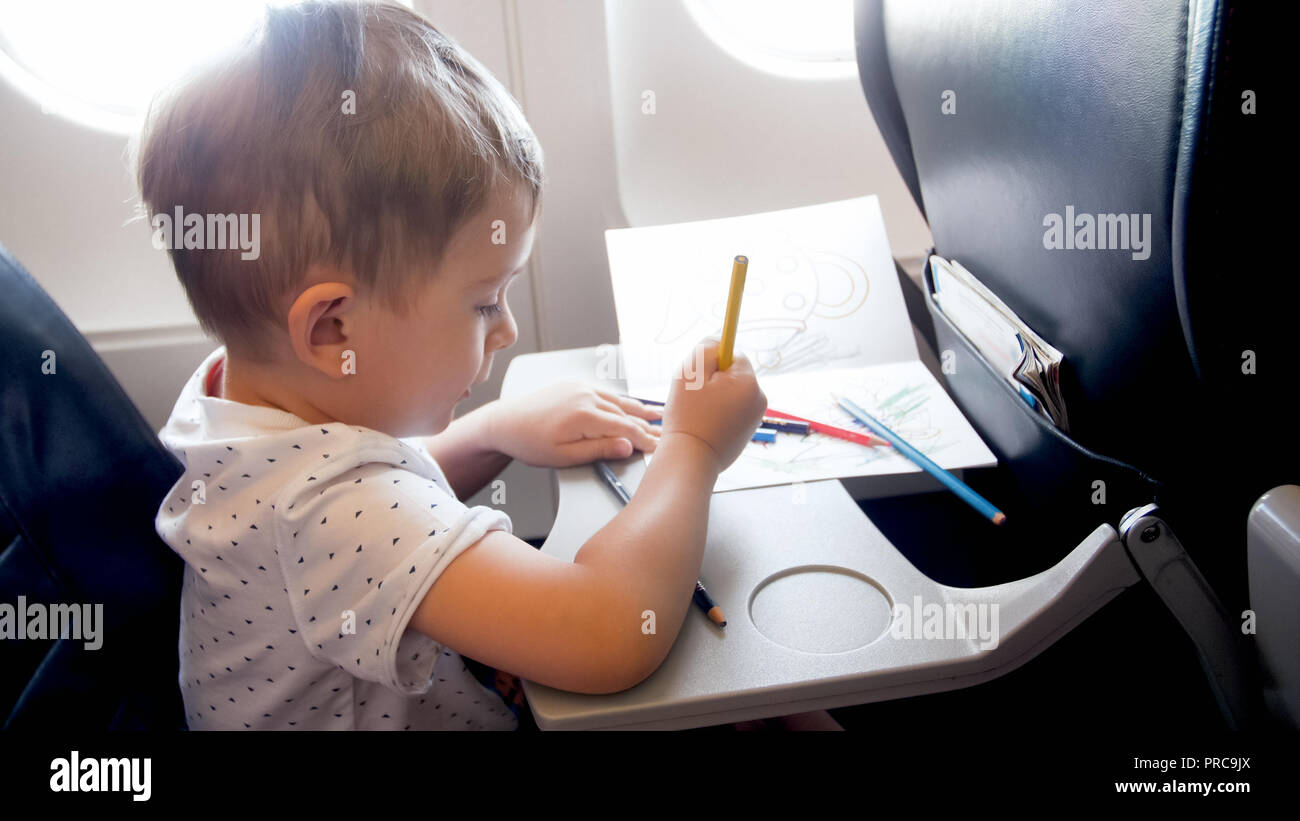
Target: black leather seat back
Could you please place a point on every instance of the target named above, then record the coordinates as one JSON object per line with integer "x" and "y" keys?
{"x": 1000, "y": 113}
{"x": 81, "y": 478}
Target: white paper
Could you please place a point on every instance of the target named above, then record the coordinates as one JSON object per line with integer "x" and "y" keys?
{"x": 822, "y": 311}
{"x": 903, "y": 396}
{"x": 820, "y": 292}
{"x": 988, "y": 330}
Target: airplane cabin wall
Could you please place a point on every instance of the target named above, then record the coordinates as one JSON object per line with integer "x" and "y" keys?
{"x": 725, "y": 139}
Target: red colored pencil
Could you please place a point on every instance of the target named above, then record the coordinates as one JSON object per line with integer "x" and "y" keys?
{"x": 830, "y": 430}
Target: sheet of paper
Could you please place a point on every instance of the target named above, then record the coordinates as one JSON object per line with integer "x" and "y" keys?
{"x": 904, "y": 396}
{"x": 821, "y": 292}
{"x": 986, "y": 327}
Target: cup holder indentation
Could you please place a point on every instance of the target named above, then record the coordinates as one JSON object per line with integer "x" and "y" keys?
{"x": 820, "y": 609}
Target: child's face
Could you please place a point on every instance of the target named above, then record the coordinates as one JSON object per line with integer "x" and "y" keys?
{"x": 420, "y": 366}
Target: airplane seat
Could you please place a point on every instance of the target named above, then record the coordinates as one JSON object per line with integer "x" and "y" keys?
{"x": 1273, "y": 554}
{"x": 1029, "y": 135}
{"x": 81, "y": 476}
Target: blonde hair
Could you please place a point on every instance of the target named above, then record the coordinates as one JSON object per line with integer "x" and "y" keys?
{"x": 380, "y": 191}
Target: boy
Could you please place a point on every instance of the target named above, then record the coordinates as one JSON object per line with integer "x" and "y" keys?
{"x": 331, "y": 568}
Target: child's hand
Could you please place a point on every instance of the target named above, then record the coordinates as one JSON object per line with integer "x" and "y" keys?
{"x": 721, "y": 408}
{"x": 572, "y": 424}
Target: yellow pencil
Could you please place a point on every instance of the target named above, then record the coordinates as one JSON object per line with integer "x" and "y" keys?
{"x": 738, "y": 269}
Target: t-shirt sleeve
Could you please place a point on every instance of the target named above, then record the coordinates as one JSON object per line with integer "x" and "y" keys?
{"x": 359, "y": 550}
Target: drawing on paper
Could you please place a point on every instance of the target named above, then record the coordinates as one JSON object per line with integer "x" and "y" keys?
{"x": 791, "y": 293}
{"x": 903, "y": 408}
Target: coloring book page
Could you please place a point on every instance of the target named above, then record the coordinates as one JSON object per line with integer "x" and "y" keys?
{"x": 903, "y": 396}
{"x": 820, "y": 292}
{"x": 822, "y": 311}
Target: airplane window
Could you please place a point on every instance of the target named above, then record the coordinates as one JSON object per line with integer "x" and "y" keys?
{"x": 99, "y": 63}
{"x": 812, "y": 39}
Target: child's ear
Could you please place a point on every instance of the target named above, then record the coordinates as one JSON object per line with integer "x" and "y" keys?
{"x": 322, "y": 326}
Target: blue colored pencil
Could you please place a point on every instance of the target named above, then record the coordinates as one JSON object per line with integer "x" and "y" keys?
{"x": 765, "y": 434}
{"x": 954, "y": 484}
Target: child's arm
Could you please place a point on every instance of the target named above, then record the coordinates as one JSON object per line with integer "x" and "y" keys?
{"x": 464, "y": 452}
{"x": 579, "y": 625}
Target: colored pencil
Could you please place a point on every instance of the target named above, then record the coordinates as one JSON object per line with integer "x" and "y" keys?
{"x": 786, "y": 426}
{"x": 705, "y": 603}
{"x": 765, "y": 434}
{"x": 829, "y": 430}
{"x": 782, "y": 422}
{"x": 732, "y": 319}
{"x": 708, "y": 605}
{"x": 957, "y": 486}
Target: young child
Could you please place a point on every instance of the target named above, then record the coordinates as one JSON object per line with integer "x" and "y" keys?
{"x": 333, "y": 576}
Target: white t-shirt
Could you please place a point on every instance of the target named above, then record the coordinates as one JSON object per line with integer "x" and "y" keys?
{"x": 307, "y": 550}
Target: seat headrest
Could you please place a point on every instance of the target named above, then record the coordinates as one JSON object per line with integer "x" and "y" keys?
{"x": 1028, "y": 132}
